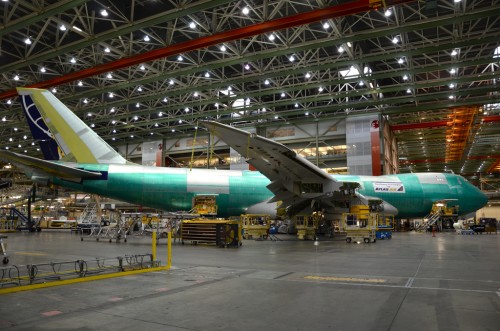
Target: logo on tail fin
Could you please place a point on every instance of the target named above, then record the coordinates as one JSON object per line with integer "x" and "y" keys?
{"x": 40, "y": 131}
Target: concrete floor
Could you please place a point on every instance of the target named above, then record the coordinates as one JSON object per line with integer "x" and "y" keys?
{"x": 411, "y": 282}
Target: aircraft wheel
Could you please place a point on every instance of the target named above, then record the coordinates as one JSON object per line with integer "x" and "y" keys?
{"x": 5, "y": 260}
{"x": 348, "y": 240}
{"x": 366, "y": 240}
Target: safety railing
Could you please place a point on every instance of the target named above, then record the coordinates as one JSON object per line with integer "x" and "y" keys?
{"x": 19, "y": 275}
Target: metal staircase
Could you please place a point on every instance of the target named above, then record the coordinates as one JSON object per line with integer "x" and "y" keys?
{"x": 429, "y": 220}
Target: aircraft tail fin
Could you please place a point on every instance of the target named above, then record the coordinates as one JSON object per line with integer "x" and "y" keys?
{"x": 52, "y": 123}
{"x": 39, "y": 130}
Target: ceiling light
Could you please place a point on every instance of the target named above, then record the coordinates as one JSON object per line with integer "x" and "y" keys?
{"x": 451, "y": 97}
{"x": 85, "y": 100}
{"x": 195, "y": 94}
{"x": 131, "y": 136}
{"x": 136, "y": 118}
{"x": 401, "y": 60}
{"x": 179, "y": 58}
{"x": 408, "y": 91}
{"x": 306, "y": 113}
{"x": 320, "y": 89}
{"x": 186, "y": 110}
{"x": 72, "y": 60}
{"x": 291, "y": 58}
{"x": 266, "y": 82}
{"x": 80, "y": 83}
{"x": 160, "y": 114}
{"x": 454, "y": 52}
{"x": 395, "y": 40}
{"x": 192, "y": 25}
{"x": 308, "y": 75}
{"x": 207, "y": 74}
{"x": 245, "y": 10}
{"x": 4, "y": 119}
{"x": 107, "y": 50}
{"x": 137, "y": 105}
{"x": 361, "y": 83}
{"x": 9, "y": 102}
{"x": 25, "y": 137}
{"x": 283, "y": 94}
{"x": 171, "y": 82}
{"x": 453, "y": 70}
{"x": 296, "y": 105}
{"x": 111, "y": 95}
{"x": 77, "y": 28}
{"x": 156, "y": 124}
{"x": 173, "y": 130}
{"x": 104, "y": 12}
{"x": 16, "y": 77}
{"x": 223, "y": 48}
{"x": 271, "y": 37}
{"x": 180, "y": 121}
{"x": 247, "y": 66}
{"x": 275, "y": 117}
{"x": 113, "y": 122}
{"x": 451, "y": 85}
{"x": 142, "y": 67}
{"x": 62, "y": 27}
{"x": 340, "y": 49}
{"x": 146, "y": 38}
{"x": 54, "y": 90}
{"x": 165, "y": 99}
{"x": 27, "y": 41}
{"x": 109, "y": 76}
{"x": 326, "y": 25}
{"x": 139, "y": 89}
{"x": 388, "y": 13}
{"x": 405, "y": 77}
{"x": 92, "y": 125}
{"x": 42, "y": 69}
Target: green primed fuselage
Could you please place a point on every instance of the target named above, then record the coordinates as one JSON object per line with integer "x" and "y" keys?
{"x": 173, "y": 189}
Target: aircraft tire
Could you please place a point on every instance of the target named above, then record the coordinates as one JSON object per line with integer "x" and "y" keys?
{"x": 5, "y": 260}
{"x": 348, "y": 240}
{"x": 366, "y": 240}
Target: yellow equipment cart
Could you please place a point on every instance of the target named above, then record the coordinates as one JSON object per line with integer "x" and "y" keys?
{"x": 256, "y": 225}
{"x": 306, "y": 226}
{"x": 360, "y": 227}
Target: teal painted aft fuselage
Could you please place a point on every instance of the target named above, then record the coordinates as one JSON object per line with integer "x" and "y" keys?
{"x": 172, "y": 189}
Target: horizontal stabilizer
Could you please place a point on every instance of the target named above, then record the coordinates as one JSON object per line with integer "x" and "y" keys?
{"x": 34, "y": 165}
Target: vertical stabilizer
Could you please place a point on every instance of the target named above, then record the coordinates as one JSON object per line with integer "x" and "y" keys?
{"x": 76, "y": 141}
{"x": 40, "y": 131}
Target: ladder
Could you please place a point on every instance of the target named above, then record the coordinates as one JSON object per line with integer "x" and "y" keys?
{"x": 429, "y": 220}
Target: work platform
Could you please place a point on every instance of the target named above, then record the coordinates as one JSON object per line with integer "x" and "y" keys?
{"x": 412, "y": 282}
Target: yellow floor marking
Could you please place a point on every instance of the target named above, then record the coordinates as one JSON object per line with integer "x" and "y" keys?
{"x": 346, "y": 279}
{"x": 30, "y": 253}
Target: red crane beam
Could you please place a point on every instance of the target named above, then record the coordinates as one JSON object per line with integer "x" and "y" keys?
{"x": 345, "y": 9}
{"x": 491, "y": 119}
{"x": 424, "y": 125}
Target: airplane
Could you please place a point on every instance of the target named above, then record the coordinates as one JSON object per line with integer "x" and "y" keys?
{"x": 90, "y": 165}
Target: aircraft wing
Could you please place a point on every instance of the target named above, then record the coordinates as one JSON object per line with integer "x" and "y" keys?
{"x": 41, "y": 167}
{"x": 294, "y": 180}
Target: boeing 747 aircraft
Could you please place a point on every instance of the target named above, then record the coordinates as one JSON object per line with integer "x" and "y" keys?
{"x": 91, "y": 165}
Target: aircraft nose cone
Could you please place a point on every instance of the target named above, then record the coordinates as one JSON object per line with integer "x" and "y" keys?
{"x": 481, "y": 199}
